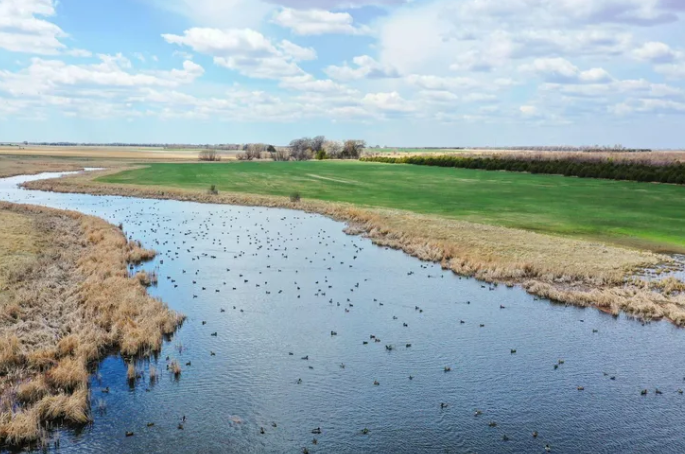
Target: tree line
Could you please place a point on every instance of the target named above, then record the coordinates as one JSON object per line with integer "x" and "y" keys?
{"x": 611, "y": 170}
{"x": 304, "y": 149}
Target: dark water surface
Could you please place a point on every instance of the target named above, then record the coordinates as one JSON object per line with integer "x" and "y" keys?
{"x": 287, "y": 279}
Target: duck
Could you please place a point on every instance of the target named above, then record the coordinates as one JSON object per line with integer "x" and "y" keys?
{"x": 129, "y": 434}
{"x": 317, "y": 431}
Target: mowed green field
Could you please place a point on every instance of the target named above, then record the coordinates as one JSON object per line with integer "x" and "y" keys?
{"x": 640, "y": 214}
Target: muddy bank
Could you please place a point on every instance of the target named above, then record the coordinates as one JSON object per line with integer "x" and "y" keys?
{"x": 67, "y": 300}
{"x": 570, "y": 271}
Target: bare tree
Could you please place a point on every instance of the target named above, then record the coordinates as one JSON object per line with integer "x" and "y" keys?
{"x": 333, "y": 149}
{"x": 254, "y": 151}
{"x": 353, "y": 149}
{"x": 208, "y": 155}
{"x": 317, "y": 143}
{"x": 281, "y": 154}
{"x": 302, "y": 149}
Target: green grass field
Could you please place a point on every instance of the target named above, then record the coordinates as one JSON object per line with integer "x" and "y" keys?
{"x": 640, "y": 214}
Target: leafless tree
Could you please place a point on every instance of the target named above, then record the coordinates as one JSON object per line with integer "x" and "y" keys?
{"x": 302, "y": 149}
{"x": 353, "y": 149}
{"x": 254, "y": 151}
{"x": 281, "y": 154}
{"x": 208, "y": 155}
{"x": 333, "y": 149}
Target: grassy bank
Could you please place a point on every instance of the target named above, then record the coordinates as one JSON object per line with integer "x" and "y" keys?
{"x": 66, "y": 301}
{"x": 564, "y": 269}
{"x": 635, "y": 214}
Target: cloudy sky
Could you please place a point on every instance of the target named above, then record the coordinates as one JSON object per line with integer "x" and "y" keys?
{"x": 393, "y": 72}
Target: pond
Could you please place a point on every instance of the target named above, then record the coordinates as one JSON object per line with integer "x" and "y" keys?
{"x": 403, "y": 357}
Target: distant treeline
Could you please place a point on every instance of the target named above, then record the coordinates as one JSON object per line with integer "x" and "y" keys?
{"x": 570, "y": 148}
{"x": 610, "y": 170}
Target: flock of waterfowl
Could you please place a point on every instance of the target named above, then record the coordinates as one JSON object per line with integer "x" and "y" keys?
{"x": 202, "y": 256}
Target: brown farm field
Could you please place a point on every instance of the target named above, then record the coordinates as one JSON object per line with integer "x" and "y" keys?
{"x": 38, "y": 159}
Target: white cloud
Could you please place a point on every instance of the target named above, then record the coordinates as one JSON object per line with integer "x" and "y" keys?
{"x": 244, "y": 50}
{"x": 673, "y": 71}
{"x": 388, "y": 102}
{"x": 438, "y": 96}
{"x": 298, "y": 53}
{"x": 367, "y": 67}
{"x": 650, "y": 106}
{"x": 430, "y": 82}
{"x": 308, "y": 83}
{"x": 21, "y": 29}
{"x": 317, "y": 22}
{"x": 529, "y": 111}
{"x": 301, "y": 4}
{"x": 562, "y": 71}
{"x": 49, "y": 76}
{"x": 656, "y": 52}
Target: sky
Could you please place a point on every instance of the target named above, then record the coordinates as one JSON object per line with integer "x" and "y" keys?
{"x": 391, "y": 72}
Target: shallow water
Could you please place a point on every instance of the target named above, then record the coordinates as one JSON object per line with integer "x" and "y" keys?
{"x": 287, "y": 279}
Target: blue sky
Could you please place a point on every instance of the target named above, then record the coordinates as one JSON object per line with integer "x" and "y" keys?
{"x": 392, "y": 72}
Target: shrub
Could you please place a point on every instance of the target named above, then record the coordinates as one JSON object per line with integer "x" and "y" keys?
{"x": 213, "y": 190}
{"x": 209, "y": 155}
{"x": 281, "y": 154}
{"x": 321, "y": 155}
{"x": 607, "y": 169}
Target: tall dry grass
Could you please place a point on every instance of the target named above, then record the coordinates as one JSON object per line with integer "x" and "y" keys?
{"x": 62, "y": 311}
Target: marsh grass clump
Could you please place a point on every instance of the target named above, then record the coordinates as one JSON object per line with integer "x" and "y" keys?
{"x": 131, "y": 372}
{"x": 295, "y": 197}
{"x": 76, "y": 282}
{"x": 152, "y": 373}
{"x": 68, "y": 374}
{"x": 10, "y": 353}
{"x": 147, "y": 279}
{"x": 20, "y": 428}
{"x": 175, "y": 368}
{"x": 32, "y": 391}
{"x": 213, "y": 190}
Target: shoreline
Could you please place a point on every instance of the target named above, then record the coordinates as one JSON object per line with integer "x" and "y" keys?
{"x": 569, "y": 271}
{"x": 65, "y": 306}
